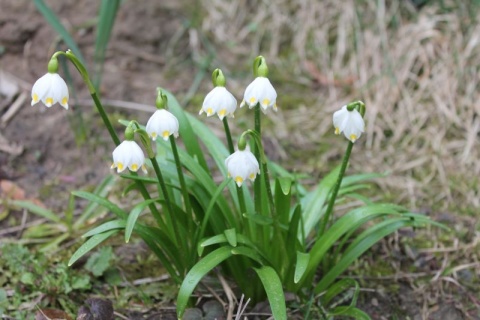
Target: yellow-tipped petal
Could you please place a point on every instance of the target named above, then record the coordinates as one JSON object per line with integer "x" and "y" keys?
{"x": 222, "y": 112}
{"x": 253, "y": 100}
{"x": 120, "y": 166}
{"x": 134, "y": 167}
{"x": 64, "y": 100}
{"x": 265, "y": 102}
{"x": 165, "y": 134}
{"x": 209, "y": 111}
{"x": 239, "y": 180}
{"x": 337, "y": 130}
{"x": 144, "y": 169}
{"x": 252, "y": 176}
{"x": 353, "y": 137}
{"x": 48, "y": 102}
{"x": 35, "y": 98}
{"x": 113, "y": 165}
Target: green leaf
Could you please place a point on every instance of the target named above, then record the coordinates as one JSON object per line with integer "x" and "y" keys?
{"x": 90, "y": 244}
{"x": 314, "y": 202}
{"x": 53, "y": 20}
{"x": 350, "y": 221}
{"x": 259, "y": 219}
{"x": 108, "y": 12}
{"x": 231, "y": 236}
{"x": 101, "y": 201}
{"x": 348, "y": 311}
{"x": 37, "y": 210}
{"x": 247, "y": 252}
{"x": 99, "y": 261}
{"x": 110, "y": 225}
{"x": 189, "y": 136}
{"x": 283, "y": 198}
{"x": 198, "y": 271}
{"x": 28, "y": 278}
{"x": 357, "y": 248}
{"x": 101, "y": 190}
{"x": 301, "y": 265}
{"x": 133, "y": 216}
{"x": 273, "y": 287}
{"x": 339, "y": 287}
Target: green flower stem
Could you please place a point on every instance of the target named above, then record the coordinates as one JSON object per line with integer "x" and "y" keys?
{"x": 241, "y": 198}
{"x": 171, "y": 221}
{"x": 183, "y": 185}
{"x": 257, "y": 186}
{"x": 83, "y": 72}
{"x": 336, "y": 187}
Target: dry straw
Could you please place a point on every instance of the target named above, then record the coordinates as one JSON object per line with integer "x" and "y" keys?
{"x": 416, "y": 70}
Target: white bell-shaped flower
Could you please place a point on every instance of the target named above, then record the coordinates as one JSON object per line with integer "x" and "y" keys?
{"x": 162, "y": 123}
{"x": 219, "y": 101}
{"x": 351, "y": 123}
{"x": 242, "y": 165}
{"x": 50, "y": 89}
{"x": 129, "y": 155}
{"x": 260, "y": 91}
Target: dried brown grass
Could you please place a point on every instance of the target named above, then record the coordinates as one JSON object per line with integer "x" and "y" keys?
{"x": 416, "y": 70}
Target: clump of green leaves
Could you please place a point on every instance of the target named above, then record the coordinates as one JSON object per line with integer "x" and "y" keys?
{"x": 36, "y": 277}
{"x": 278, "y": 237}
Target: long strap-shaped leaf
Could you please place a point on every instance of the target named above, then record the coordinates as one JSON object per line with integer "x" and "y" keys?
{"x": 373, "y": 235}
{"x": 52, "y": 19}
{"x": 273, "y": 287}
{"x": 196, "y": 274}
{"x": 106, "y": 19}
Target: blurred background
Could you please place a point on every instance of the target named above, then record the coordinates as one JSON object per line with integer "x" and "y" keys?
{"x": 414, "y": 63}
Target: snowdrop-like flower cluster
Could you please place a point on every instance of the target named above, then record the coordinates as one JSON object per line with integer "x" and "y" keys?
{"x": 242, "y": 165}
{"x": 349, "y": 122}
{"x": 219, "y": 101}
{"x": 260, "y": 91}
{"x": 162, "y": 123}
{"x": 128, "y": 155}
{"x": 50, "y": 89}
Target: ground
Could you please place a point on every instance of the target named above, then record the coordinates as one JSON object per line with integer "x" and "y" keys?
{"x": 416, "y": 68}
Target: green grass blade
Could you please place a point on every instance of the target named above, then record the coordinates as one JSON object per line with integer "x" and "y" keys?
{"x": 101, "y": 190}
{"x": 273, "y": 287}
{"x": 347, "y": 223}
{"x": 301, "y": 265}
{"x": 110, "y": 225}
{"x": 101, "y": 201}
{"x": 314, "y": 202}
{"x": 133, "y": 216}
{"x": 37, "y": 210}
{"x": 380, "y": 231}
{"x": 337, "y": 288}
{"x": 283, "y": 196}
{"x": 106, "y": 20}
{"x": 90, "y": 244}
{"x": 352, "y": 312}
{"x": 196, "y": 274}
{"x": 53, "y": 20}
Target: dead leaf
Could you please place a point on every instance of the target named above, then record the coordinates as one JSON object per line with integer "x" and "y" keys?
{"x": 51, "y": 314}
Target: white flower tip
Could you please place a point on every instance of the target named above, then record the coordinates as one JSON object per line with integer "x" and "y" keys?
{"x": 239, "y": 181}
{"x": 242, "y": 103}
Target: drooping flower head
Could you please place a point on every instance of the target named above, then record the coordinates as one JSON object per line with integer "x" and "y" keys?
{"x": 219, "y": 101}
{"x": 349, "y": 121}
{"x": 128, "y": 154}
{"x": 260, "y": 91}
{"x": 242, "y": 164}
{"x": 50, "y": 88}
{"x": 162, "y": 123}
